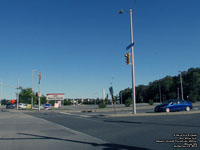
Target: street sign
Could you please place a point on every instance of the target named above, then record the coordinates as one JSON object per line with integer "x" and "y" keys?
{"x": 55, "y": 96}
{"x": 12, "y": 101}
{"x": 111, "y": 91}
{"x": 132, "y": 44}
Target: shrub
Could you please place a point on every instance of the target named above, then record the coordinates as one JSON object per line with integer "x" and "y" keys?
{"x": 67, "y": 102}
{"x": 150, "y": 102}
{"x": 128, "y": 102}
{"x": 102, "y": 104}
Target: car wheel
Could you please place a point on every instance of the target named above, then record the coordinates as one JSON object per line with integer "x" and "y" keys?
{"x": 167, "y": 110}
{"x": 187, "y": 108}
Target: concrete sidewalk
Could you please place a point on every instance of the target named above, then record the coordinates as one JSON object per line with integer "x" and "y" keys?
{"x": 19, "y": 131}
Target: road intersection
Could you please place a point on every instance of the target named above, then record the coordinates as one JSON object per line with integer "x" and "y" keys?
{"x": 92, "y": 128}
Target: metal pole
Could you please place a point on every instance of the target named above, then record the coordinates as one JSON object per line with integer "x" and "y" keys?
{"x": 17, "y": 94}
{"x": 160, "y": 94}
{"x": 39, "y": 96}
{"x": 121, "y": 97}
{"x": 133, "y": 65}
{"x": 32, "y": 92}
{"x": 32, "y": 88}
{"x": 178, "y": 93}
{"x": 181, "y": 86}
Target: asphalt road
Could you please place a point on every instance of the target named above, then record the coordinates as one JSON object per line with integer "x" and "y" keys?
{"x": 91, "y": 112}
{"x": 138, "y": 132}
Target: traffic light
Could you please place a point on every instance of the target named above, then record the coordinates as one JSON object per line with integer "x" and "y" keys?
{"x": 39, "y": 94}
{"x": 127, "y": 58}
{"x": 39, "y": 75}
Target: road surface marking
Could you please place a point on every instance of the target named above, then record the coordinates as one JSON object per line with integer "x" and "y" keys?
{"x": 85, "y": 116}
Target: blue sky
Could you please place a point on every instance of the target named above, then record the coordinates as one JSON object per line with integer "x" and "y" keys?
{"x": 79, "y": 46}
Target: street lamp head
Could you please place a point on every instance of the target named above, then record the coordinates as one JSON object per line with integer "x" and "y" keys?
{"x": 121, "y": 11}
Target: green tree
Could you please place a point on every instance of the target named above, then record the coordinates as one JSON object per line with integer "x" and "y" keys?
{"x": 4, "y": 102}
{"x": 43, "y": 99}
{"x": 169, "y": 88}
{"x": 25, "y": 95}
{"x": 126, "y": 93}
{"x": 67, "y": 102}
{"x": 140, "y": 93}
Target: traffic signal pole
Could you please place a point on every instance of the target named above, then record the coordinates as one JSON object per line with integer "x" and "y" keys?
{"x": 132, "y": 60}
{"x": 133, "y": 65}
{"x": 32, "y": 88}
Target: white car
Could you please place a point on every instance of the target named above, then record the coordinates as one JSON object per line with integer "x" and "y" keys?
{"x": 22, "y": 106}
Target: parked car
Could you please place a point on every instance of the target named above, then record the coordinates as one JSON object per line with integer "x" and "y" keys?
{"x": 36, "y": 107}
{"x": 174, "y": 105}
{"x": 10, "y": 106}
{"x": 47, "y": 106}
{"x": 28, "y": 106}
{"x": 22, "y": 106}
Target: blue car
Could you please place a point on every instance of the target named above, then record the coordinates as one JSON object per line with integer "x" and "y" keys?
{"x": 174, "y": 105}
{"x": 11, "y": 106}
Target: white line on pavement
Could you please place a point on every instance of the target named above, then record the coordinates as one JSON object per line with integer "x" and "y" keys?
{"x": 85, "y": 116}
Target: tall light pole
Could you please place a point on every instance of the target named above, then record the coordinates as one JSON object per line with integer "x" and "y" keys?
{"x": 178, "y": 93}
{"x": 181, "y": 86}
{"x": 32, "y": 88}
{"x": 132, "y": 61}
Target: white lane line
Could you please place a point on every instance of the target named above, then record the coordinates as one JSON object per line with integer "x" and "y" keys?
{"x": 85, "y": 116}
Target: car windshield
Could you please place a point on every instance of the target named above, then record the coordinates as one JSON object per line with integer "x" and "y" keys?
{"x": 167, "y": 102}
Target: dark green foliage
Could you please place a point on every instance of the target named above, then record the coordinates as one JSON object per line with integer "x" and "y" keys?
{"x": 150, "y": 102}
{"x": 52, "y": 102}
{"x": 25, "y": 95}
{"x": 102, "y": 104}
{"x": 169, "y": 88}
{"x": 43, "y": 99}
{"x": 125, "y": 94}
{"x": 67, "y": 102}
{"x": 4, "y": 102}
{"x": 89, "y": 102}
{"x": 128, "y": 102}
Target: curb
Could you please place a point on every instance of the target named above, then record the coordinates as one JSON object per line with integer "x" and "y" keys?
{"x": 152, "y": 114}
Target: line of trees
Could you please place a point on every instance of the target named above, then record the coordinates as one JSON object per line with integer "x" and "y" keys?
{"x": 26, "y": 94}
{"x": 168, "y": 87}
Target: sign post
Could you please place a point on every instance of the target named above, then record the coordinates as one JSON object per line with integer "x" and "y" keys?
{"x": 57, "y": 97}
{"x": 113, "y": 101}
{"x": 39, "y": 77}
{"x": 12, "y": 101}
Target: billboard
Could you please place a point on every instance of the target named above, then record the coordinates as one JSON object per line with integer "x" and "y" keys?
{"x": 55, "y": 96}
